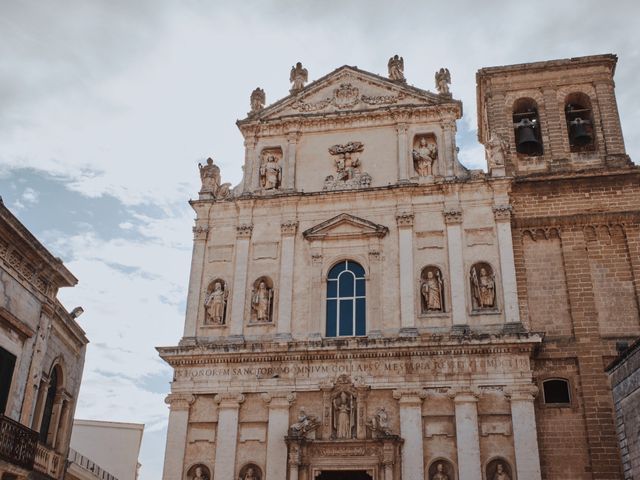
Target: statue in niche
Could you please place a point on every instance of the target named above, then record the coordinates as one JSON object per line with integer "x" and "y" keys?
{"x": 250, "y": 473}
{"x": 484, "y": 287}
{"x": 305, "y": 424}
{"x": 270, "y": 173}
{"x": 348, "y": 174}
{"x": 432, "y": 291}
{"x": 396, "y": 68}
{"x": 211, "y": 183}
{"x": 261, "y": 302}
{"x": 216, "y": 303}
{"x": 440, "y": 473}
{"x": 379, "y": 423}
{"x": 198, "y": 472}
{"x": 443, "y": 80}
{"x": 424, "y": 156}
{"x": 501, "y": 474}
{"x": 343, "y": 415}
{"x": 257, "y": 100}
{"x": 298, "y": 77}
{"x": 497, "y": 149}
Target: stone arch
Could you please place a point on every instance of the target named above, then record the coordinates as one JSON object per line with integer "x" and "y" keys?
{"x": 578, "y": 111}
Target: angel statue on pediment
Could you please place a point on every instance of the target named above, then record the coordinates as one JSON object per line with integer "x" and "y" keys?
{"x": 298, "y": 76}
{"x": 396, "y": 68}
{"x": 443, "y": 80}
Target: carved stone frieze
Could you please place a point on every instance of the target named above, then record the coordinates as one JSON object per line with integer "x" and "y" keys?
{"x": 347, "y": 164}
{"x": 382, "y": 99}
{"x": 244, "y": 230}
{"x": 23, "y": 267}
{"x": 452, "y": 216}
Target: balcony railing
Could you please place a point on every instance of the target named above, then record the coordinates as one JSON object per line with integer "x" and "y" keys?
{"x": 47, "y": 461}
{"x": 17, "y": 443}
{"x": 87, "y": 464}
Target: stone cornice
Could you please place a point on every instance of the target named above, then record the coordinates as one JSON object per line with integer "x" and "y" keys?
{"x": 370, "y": 349}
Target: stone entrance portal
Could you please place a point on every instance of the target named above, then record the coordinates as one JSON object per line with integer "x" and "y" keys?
{"x": 344, "y": 475}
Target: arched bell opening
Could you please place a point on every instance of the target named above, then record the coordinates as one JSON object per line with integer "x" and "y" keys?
{"x": 526, "y": 126}
{"x": 579, "y": 117}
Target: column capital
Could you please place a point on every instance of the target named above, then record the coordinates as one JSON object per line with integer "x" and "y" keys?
{"x": 521, "y": 393}
{"x": 410, "y": 396}
{"x": 289, "y": 227}
{"x": 452, "y": 216}
{"x": 502, "y": 212}
{"x": 229, "y": 400}
{"x": 278, "y": 399}
{"x": 464, "y": 395}
{"x": 179, "y": 401}
{"x": 200, "y": 232}
{"x": 292, "y": 137}
{"x": 250, "y": 142}
{"x": 244, "y": 230}
{"x": 404, "y": 219}
{"x": 402, "y": 127}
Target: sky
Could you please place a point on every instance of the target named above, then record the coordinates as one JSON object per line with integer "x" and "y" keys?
{"x": 106, "y": 108}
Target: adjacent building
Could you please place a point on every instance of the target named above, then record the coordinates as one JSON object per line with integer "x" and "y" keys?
{"x": 42, "y": 351}
{"x": 363, "y": 306}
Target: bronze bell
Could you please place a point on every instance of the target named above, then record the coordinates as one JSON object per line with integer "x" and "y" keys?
{"x": 579, "y": 132}
{"x": 526, "y": 139}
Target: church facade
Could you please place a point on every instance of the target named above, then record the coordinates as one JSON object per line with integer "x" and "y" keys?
{"x": 363, "y": 306}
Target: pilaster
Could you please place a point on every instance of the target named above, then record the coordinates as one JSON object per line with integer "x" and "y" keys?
{"x": 290, "y": 166}
{"x": 278, "y": 404}
{"x": 288, "y": 230}
{"x": 467, "y": 436}
{"x": 200, "y": 233}
{"x": 502, "y": 215}
{"x": 525, "y": 438}
{"x": 405, "y": 251}
{"x": 226, "y": 434}
{"x": 243, "y": 238}
{"x": 179, "y": 405}
{"x": 411, "y": 430}
{"x": 403, "y": 164}
{"x": 453, "y": 222}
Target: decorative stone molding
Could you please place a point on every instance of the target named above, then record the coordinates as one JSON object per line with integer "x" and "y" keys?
{"x": 316, "y": 259}
{"x": 452, "y": 216}
{"x": 464, "y": 395}
{"x": 382, "y": 99}
{"x": 30, "y": 271}
{"x": 179, "y": 401}
{"x": 502, "y": 212}
{"x": 200, "y": 232}
{"x": 244, "y": 230}
{"x": 289, "y": 227}
{"x": 405, "y": 219}
{"x": 410, "y": 395}
{"x": 278, "y": 399}
{"x": 229, "y": 400}
{"x": 526, "y": 393}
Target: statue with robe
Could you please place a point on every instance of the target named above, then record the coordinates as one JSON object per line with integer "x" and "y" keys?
{"x": 261, "y": 302}
{"x": 484, "y": 287}
{"x": 443, "y": 79}
{"x": 343, "y": 415}
{"x": 396, "y": 68}
{"x": 298, "y": 77}
{"x": 432, "y": 292}
{"x": 216, "y": 302}
{"x": 424, "y": 156}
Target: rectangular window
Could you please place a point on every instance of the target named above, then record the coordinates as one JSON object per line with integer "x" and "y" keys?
{"x": 7, "y": 364}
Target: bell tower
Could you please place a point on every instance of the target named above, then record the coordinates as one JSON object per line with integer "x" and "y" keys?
{"x": 553, "y": 116}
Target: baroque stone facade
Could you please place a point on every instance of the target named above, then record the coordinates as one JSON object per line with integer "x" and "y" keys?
{"x": 376, "y": 315}
{"x": 42, "y": 351}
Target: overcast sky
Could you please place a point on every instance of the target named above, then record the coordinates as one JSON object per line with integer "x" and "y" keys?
{"x": 107, "y": 107}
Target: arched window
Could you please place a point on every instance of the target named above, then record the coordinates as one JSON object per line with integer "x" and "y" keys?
{"x": 556, "y": 391}
{"x": 526, "y": 125}
{"x": 346, "y": 304}
{"x": 47, "y": 414}
{"x": 578, "y": 114}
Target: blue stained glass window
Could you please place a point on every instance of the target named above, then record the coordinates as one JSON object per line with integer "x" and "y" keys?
{"x": 346, "y": 300}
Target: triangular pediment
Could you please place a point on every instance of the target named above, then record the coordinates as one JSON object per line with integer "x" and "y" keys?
{"x": 345, "y": 226}
{"x": 349, "y": 89}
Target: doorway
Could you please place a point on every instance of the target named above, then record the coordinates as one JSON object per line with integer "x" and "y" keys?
{"x": 344, "y": 475}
